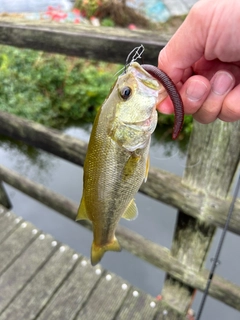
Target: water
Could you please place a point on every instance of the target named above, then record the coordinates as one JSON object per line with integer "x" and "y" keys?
{"x": 155, "y": 221}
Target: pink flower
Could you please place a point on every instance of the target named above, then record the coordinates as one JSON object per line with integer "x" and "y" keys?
{"x": 132, "y": 27}
{"x": 76, "y": 12}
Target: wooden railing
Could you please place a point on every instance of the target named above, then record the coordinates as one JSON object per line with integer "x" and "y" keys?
{"x": 201, "y": 195}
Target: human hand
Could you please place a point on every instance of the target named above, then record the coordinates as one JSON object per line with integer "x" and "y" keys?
{"x": 203, "y": 60}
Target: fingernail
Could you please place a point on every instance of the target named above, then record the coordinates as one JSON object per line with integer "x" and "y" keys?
{"x": 196, "y": 90}
{"x": 221, "y": 82}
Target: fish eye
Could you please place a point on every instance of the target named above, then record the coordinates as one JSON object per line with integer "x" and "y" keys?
{"x": 125, "y": 93}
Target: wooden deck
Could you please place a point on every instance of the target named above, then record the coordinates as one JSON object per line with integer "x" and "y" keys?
{"x": 41, "y": 278}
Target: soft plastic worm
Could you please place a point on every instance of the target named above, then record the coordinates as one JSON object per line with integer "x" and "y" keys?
{"x": 171, "y": 89}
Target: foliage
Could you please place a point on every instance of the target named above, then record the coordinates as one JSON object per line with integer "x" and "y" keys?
{"x": 52, "y": 89}
{"x": 107, "y": 22}
{"x": 116, "y": 12}
{"x": 56, "y": 90}
{"x": 88, "y": 7}
{"x": 167, "y": 121}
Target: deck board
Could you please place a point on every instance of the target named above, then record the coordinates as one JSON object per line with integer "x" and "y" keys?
{"x": 16, "y": 243}
{"x": 105, "y": 300}
{"x": 137, "y": 306}
{"x": 23, "y": 269}
{"x": 41, "y": 279}
{"x": 36, "y": 294}
{"x": 8, "y": 223}
{"x": 74, "y": 292}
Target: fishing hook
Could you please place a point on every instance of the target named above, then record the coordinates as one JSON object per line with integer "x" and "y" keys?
{"x": 136, "y": 54}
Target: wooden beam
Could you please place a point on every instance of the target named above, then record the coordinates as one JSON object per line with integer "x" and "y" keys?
{"x": 4, "y": 199}
{"x": 157, "y": 255}
{"x": 161, "y": 185}
{"x": 100, "y": 43}
{"x": 213, "y": 157}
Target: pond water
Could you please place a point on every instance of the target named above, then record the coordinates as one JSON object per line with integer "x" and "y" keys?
{"x": 156, "y": 221}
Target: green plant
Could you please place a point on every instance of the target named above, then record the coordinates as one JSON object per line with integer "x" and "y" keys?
{"x": 87, "y": 7}
{"x": 56, "y": 90}
{"x": 52, "y": 89}
{"x": 107, "y": 22}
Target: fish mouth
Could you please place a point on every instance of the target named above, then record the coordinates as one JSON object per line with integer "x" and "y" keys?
{"x": 140, "y": 125}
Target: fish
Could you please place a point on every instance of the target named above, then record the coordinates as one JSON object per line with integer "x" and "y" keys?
{"x": 117, "y": 159}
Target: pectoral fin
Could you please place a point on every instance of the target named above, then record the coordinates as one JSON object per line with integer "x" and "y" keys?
{"x": 131, "y": 212}
{"x": 130, "y": 166}
{"x": 97, "y": 252}
{"x": 147, "y": 169}
{"x": 82, "y": 212}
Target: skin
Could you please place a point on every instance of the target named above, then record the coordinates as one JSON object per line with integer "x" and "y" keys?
{"x": 202, "y": 59}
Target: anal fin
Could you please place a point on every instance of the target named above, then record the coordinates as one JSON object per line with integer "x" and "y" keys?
{"x": 131, "y": 212}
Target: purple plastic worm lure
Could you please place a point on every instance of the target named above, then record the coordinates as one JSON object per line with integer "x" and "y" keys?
{"x": 171, "y": 89}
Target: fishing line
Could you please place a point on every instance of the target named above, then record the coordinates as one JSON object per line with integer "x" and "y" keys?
{"x": 192, "y": 165}
{"x": 166, "y": 158}
{"x": 219, "y": 248}
{"x": 136, "y": 54}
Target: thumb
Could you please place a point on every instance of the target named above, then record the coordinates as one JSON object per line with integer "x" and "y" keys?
{"x": 185, "y": 47}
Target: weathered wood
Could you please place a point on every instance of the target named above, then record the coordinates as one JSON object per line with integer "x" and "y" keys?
{"x": 14, "y": 279}
{"x": 4, "y": 199}
{"x": 167, "y": 313}
{"x": 100, "y": 43}
{"x": 33, "y": 298}
{"x": 16, "y": 243}
{"x": 138, "y": 307}
{"x": 50, "y": 140}
{"x": 8, "y": 224}
{"x": 161, "y": 185}
{"x": 66, "y": 286}
{"x": 105, "y": 300}
{"x": 3, "y": 210}
{"x": 213, "y": 157}
{"x": 73, "y": 294}
{"x": 136, "y": 244}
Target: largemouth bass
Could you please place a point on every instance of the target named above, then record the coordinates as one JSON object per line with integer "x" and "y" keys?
{"x": 117, "y": 159}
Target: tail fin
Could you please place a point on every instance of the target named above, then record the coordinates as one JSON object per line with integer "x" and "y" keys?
{"x": 97, "y": 252}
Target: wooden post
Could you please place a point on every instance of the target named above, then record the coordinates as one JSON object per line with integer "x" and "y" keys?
{"x": 4, "y": 200}
{"x": 213, "y": 158}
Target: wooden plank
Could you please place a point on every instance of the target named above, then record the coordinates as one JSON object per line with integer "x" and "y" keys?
{"x": 14, "y": 279}
{"x": 16, "y": 243}
{"x": 213, "y": 158}
{"x": 39, "y": 290}
{"x": 8, "y": 223}
{"x": 167, "y": 313}
{"x": 161, "y": 185}
{"x": 138, "y": 306}
{"x": 42, "y": 137}
{"x": 136, "y": 244}
{"x": 105, "y": 300}
{"x": 107, "y": 44}
{"x": 73, "y": 294}
{"x": 3, "y": 210}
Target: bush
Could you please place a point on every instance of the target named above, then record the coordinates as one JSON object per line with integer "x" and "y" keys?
{"x": 50, "y": 88}
{"x": 56, "y": 90}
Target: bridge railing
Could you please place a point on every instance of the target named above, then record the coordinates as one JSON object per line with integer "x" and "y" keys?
{"x": 202, "y": 196}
